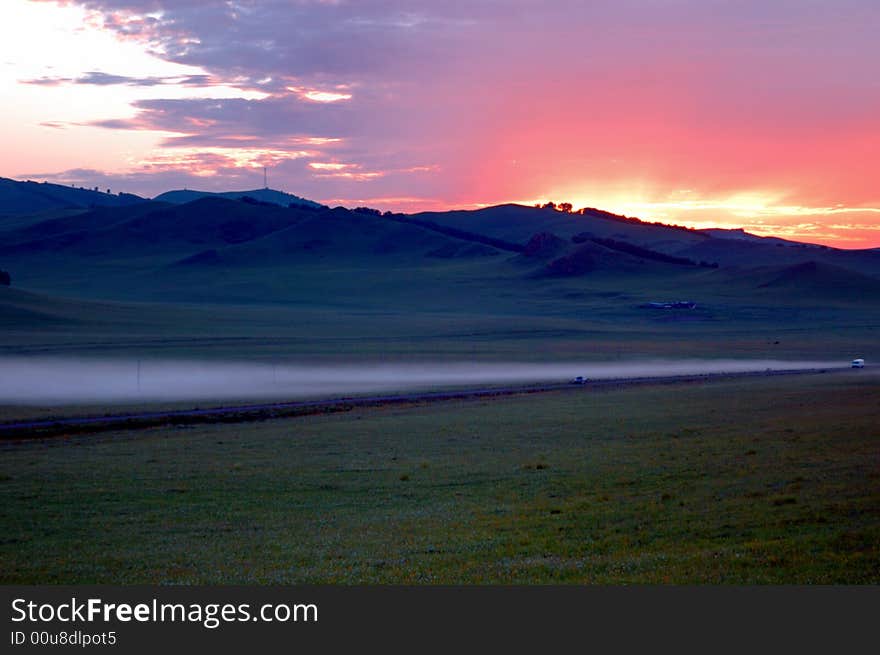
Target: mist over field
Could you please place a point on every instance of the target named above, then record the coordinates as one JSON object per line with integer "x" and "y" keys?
{"x": 32, "y": 381}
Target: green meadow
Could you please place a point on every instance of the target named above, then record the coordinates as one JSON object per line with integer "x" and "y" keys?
{"x": 768, "y": 480}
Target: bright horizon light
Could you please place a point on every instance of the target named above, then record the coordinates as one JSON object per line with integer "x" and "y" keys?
{"x": 684, "y": 113}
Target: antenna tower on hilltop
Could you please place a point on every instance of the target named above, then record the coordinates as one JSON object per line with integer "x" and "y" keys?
{"x": 265, "y": 178}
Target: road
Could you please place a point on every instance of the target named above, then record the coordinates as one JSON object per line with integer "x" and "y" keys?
{"x": 264, "y": 411}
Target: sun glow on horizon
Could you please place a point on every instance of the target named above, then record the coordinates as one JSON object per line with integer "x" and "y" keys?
{"x": 759, "y": 213}
{"x": 701, "y": 121}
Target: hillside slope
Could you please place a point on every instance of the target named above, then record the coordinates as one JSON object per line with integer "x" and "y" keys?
{"x": 154, "y": 229}
{"x": 22, "y": 198}
{"x": 749, "y": 254}
{"x": 822, "y": 281}
{"x": 221, "y": 250}
{"x": 729, "y": 248}
{"x": 280, "y": 198}
{"x": 518, "y": 223}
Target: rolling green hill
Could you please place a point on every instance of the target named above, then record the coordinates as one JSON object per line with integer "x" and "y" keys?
{"x": 502, "y": 281}
{"x": 743, "y": 254}
{"x": 346, "y": 235}
{"x": 249, "y": 251}
{"x": 271, "y": 196}
{"x": 823, "y": 281}
{"x": 518, "y": 223}
{"x": 23, "y": 198}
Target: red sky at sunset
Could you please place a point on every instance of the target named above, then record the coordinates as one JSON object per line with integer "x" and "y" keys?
{"x": 709, "y": 113}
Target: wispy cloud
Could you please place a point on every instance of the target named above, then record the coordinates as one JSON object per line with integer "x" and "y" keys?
{"x": 616, "y": 104}
{"x": 319, "y": 95}
{"x": 99, "y": 78}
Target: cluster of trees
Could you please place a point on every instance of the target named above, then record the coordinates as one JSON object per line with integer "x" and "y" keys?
{"x": 633, "y": 220}
{"x": 369, "y": 211}
{"x": 82, "y": 188}
{"x": 568, "y": 208}
{"x": 5, "y": 278}
{"x": 366, "y": 211}
{"x": 565, "y": 207}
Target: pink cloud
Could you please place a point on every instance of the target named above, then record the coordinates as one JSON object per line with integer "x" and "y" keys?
{"x": 463, "y": 103}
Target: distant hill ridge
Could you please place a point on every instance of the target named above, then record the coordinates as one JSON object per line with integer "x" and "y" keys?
{"x": 269, "y": 245}
{"x": 822, "y": 280}
{"x": 28, "y": 197}
{"x": 280, "y": 198}
{"x": 740, "y": 234}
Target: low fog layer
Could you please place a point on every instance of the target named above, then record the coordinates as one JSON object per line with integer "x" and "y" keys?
{"x": 34, "y": 381}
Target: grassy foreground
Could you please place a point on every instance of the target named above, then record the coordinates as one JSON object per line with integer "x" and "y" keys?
{"x": 752, "y": 481}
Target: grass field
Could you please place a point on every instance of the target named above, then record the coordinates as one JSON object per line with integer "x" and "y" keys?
{"x": 750, "y": 480}
{"x": 771, "y": 480}
{"x": 452, "y": 317}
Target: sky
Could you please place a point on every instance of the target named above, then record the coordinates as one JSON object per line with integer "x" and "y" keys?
{"x": 762, "y": 114}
